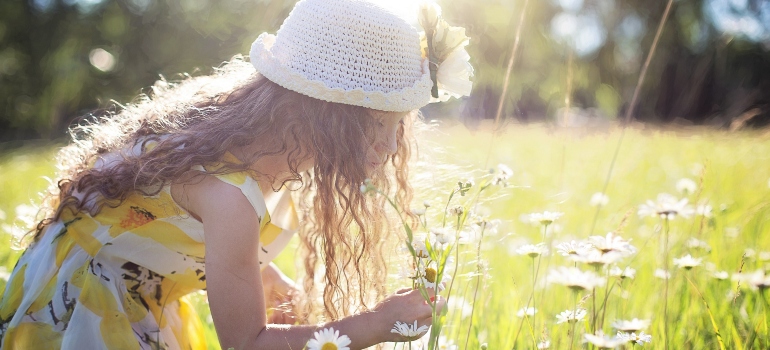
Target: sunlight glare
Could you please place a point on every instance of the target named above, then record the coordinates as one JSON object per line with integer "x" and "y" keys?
{"x": 406, "y": 9}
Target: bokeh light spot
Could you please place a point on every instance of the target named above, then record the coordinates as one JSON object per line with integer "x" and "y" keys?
{"x": 101, "y": 60}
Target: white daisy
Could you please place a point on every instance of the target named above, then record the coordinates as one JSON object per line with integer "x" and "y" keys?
{"x": 662, "y": 274}
{"x": 457, "y": 210}
{"x": 544, "y": 344}
{"x": 596, "y": 258}
{"x": 698, "y": 244}
{"x": 368, "y": 186}
{"x": 533, "y": 250}
{"x": 419, "y": 246}
{"x": 667, "y": 207}
{"x": 544, "y": 218}
{"x": 428, "y": 278}
{"x": 757, "y": 280}
{"x": 639, "y": 339}
{"x": 704, "y": 210}
{"x": 408, "y": 330}
{"x": 502, "y": 175}
{"x": 686, "y": 186}
{"x": 573, "y": 248}
{"x": 602, "y": 341}
{"x": 612, "y": 242}
{"x": 634, "y": 325}
{"x": 599, "y": 199}
{"x": 446, "y": 344}
{"x": 526, "y": 311}
{"x": 628, "y": 272}
{"x": 571, "y": 316}
{"x": 575, "y": 279}
{"x": 721, "y": 275}
{"x": 443, "y": 235}
{"x": 764, "y": 256}
{"x": 687, "y": 262}
{"x": 328, "y": 339}
{"x": 480, "y": 223}
{"x": 470, "y": 235}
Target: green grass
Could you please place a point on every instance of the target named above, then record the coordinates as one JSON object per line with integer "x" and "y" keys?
{"x": 559, "y": 170}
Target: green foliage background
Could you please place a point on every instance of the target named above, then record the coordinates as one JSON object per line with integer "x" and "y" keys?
{"x": 700, "y": 74}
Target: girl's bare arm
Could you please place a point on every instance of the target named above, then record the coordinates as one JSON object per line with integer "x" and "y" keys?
{"x": 234, "y": 281}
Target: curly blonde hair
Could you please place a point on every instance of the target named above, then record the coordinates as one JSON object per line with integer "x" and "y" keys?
{"x": 201, "y": 118}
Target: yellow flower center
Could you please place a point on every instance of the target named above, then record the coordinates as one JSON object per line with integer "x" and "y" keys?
{"x": 430, "y": 275}
{"x": 329, "y": 346}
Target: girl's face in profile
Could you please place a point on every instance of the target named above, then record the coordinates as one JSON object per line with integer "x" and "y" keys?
{"x": 384, "y": 134}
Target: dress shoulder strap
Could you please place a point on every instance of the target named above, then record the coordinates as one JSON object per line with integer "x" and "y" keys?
{"x": 244, "y": 182}
{"x": 278, "y": 219}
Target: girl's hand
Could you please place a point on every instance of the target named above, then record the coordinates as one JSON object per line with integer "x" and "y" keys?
{"x": 406, "y": 305}
{"x": 280, "y": 293}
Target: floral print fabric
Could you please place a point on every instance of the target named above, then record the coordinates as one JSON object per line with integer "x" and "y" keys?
{"x": 118, "y": 280}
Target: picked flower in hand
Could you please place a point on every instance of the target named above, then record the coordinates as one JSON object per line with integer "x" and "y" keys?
{"x": 408, "y": 330}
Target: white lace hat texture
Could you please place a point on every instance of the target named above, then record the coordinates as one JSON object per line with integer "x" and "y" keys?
{"x": 346, "y": 51}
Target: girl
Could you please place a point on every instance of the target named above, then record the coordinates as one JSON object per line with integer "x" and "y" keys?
{"x": 187, "y": 189}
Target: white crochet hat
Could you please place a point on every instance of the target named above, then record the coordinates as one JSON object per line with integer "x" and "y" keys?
{"x": 346, "y": 51}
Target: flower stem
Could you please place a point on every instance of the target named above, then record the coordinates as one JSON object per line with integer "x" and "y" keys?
{"x": 478, "y": 281}
{"x": 665, "y": 290}
{"x": 446, "y": 207}
{"x": 457, "y": 263}
{"x": 574, "y": 315}
{"x": 534, "y": 304}
{"x": 460, "y": 316}
{"x": 608, "y": 289}
{"x": 593, "y": 310}
{"x": 473, "y": 309}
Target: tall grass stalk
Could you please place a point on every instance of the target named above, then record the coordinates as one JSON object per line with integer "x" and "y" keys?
{"x": 632, "y": 105}
{"x": 574, "y": 314}
{"x": 765, "y": 310}
{"x": 708, "y": 310}
{"x": 511, "y": 60}
{"x": 608, "y": 289}
{"x": 479, "y": 275}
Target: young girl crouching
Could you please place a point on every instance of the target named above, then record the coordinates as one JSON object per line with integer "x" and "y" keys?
{"x": 188, "y": 189}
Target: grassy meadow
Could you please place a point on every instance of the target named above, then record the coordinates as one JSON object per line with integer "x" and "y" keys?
{"x": 712, "y": 305}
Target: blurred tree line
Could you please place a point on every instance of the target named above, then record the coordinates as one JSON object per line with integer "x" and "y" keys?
{"x": 62, "y": 59}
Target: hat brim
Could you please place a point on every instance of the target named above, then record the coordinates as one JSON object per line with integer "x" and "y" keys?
{"x": 404, "y": 100}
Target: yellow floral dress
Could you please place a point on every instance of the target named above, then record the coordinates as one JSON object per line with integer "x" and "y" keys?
{"x": 118, "y": 280}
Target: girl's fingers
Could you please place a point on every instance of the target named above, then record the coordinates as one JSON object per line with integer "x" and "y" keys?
{"x": 404, "y": 290}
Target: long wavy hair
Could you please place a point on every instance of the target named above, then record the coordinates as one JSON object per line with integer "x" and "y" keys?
{"x": 197, "y": 119}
